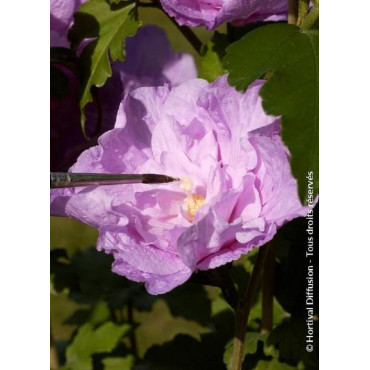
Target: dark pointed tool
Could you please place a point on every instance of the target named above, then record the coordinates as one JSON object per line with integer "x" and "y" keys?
{"x": 68, "y": 180}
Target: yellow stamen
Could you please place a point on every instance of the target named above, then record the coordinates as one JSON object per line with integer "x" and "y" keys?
{"x": 194, "y": 202}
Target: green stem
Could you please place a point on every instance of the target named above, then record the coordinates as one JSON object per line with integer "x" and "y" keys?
{"x": 302, "y": 11}
{"x": 244, "y": 307}
{"x": 311, "y": 20}
{"x": 292, "y": 11}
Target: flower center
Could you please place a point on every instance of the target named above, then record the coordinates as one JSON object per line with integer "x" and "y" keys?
{"x": 193, "y": 201}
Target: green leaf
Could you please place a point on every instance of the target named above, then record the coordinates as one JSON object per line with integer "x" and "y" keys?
{"x": 159, "y": 326}
{"x": 109, "y": 25}
{"x": 290, "y": 338}
{"x": 250, "y": 346}
{"x": 290, "y": 57}
{"x": 89, "y": 341}
{"x": 273, "y": 365}
{"x": 213, "y": 51}
{"x": 99, "y": 313}
{"x": 228, "y": 354}
{"x": 118, "y": 363}
{"x": 256, "y": 311}
{"x": 219, "y": 304}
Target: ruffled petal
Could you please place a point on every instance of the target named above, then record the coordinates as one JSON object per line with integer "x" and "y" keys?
{"x": 236, "y": 187}
{"x": 204, "y": 238}
{"x": 160, "y": 270}
{"x": 277, "y": 187}
{"x": 232, "y": 116}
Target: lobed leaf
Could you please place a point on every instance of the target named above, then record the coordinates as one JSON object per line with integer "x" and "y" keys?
{"x": 106, "y": 26}
{"x": 89, "y": 341}
{"x": 212, "y": 53}
{"x": 290, "y": 57}
{"x": 159, "y": 326}
{"x": 290, "y": 337}
{"x": 251, "y": 343}
{"x": 274, "y": 365}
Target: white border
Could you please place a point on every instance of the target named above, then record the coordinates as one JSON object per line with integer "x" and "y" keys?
{"x": 24, "y": 153}
{"x": 344, "y": 184}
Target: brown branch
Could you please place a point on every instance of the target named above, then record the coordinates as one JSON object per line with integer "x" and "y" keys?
{"x": 244, "y": 308}
{"x": 189, "y": 35}
{"x": 268, "y": 291}
{"x": 292, "y": 11}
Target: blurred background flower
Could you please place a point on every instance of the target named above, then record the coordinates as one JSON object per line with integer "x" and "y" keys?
{"x": 61, "y": 20}
{"x": 212, "y": 14}
{"x": 150, "y": 61}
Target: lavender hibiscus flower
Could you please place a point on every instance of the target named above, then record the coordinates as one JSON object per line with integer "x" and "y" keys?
{"x": 213, "y": 13}
{"x": 150, "y": 61}
{"x": 236, "y": 187}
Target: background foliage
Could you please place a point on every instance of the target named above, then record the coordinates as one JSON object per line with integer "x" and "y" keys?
{"x": 100, "y": 320}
